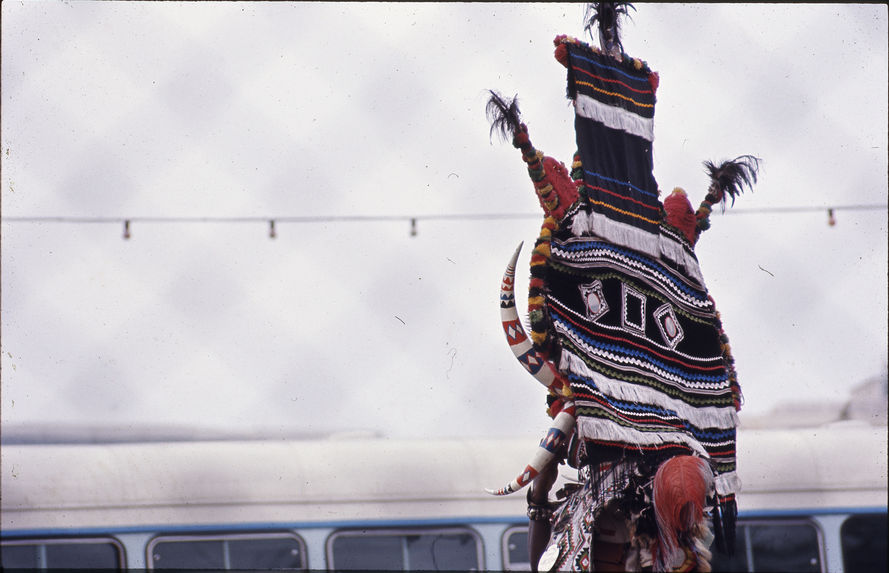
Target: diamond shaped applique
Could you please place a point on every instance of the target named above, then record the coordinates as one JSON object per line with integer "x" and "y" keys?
{"x": 594, "y": 300}
{"x": 633, "y": 317}
{"x": 668, "y": 324}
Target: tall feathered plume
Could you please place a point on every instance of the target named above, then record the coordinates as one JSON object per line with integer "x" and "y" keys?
{"x": 505, "y": 117}
{"x": 607, "y": 16}
{"x": 731, "y": 177}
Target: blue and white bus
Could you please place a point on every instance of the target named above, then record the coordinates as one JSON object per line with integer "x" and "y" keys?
{"x": 813, "y": 499}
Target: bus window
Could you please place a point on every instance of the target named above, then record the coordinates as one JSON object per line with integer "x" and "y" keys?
{"x": 266, "y": 553}
{"x": 405, "y": 550}
{"x": 864, "y": 543}
{"x": 515, "y": 549}
{"x": 62, "y": 553}
{"x": 374, "y": 553}
{"x": 227, "y": 551}
{"x": 788, "y": 546}
{"x": 188, "y": 554}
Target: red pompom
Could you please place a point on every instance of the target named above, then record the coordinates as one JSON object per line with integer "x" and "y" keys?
{"x": 654, "y": 80}
{"x": 680, "y": 215}
{"x": 563, "y": 186}
{"x": 521, "y": 139}
{"x": 561, "y": 54}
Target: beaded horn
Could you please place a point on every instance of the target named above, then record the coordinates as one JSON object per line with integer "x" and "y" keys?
{"x": 544, "y": 372}
{"x": 521, "y": 346}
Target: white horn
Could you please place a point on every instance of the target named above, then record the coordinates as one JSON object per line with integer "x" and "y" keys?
{"x": 518, "y": 341}
{"x": 563, "y": 424}
{"x": 558, "y": 434}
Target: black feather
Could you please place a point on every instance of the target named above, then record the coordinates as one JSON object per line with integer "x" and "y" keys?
{"x": 731, "y": 177}
{"x": 504, "y": 116}
{"x": 607, "y": 16}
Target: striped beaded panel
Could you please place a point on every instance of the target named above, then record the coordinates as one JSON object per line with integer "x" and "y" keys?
{"x": 614, "y": 106}
{"x": 640, "y": 346}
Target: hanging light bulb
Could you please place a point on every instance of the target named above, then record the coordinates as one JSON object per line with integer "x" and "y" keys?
{"x": 413, "y": 227}
{"x": 831, "y": 220}
{"x": 272, "y": 233}
{"x": 126, "y": 229}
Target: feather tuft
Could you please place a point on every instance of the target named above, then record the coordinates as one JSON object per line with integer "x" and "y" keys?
{"x": 504, "y": 116}
{"x": 607, "y": 16}
{"x": 731, "y": 177}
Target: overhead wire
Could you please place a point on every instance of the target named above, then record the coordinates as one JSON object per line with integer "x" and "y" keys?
{"x": 271, "y": 221}
{"x": 381, "y": 218}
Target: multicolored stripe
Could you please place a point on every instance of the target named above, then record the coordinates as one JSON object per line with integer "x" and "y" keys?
{"x": 580, "y": 255}
{"x": 641, "y": 351}
{"x": 614, "y": 125}
{"x": 597, "y": 76}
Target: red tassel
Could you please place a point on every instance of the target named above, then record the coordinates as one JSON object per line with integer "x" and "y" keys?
{"x": 559, "y": 405}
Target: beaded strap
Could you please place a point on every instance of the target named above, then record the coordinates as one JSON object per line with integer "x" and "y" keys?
{"x": 539, "y": 512}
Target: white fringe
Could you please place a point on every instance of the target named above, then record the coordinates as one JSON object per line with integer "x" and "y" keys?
{"x": 723, "y": 418}
{"x": 614, "y": 117}
{"x": 597, "y": 429}
{"x": 728, "y": 483}
{"x": 655, "y": 245}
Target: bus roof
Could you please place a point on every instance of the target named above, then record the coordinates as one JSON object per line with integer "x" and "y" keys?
{"x": 349, "y": 480}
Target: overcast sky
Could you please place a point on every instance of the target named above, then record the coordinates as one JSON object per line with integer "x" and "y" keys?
{"x": 164, "y": 110}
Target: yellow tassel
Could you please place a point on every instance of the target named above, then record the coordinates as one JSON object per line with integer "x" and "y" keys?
{"x": 544, "y": 192}
{"x": 538, "y": 337}
{"x": 536, "y": 301}
{"x": 543, "y": 249}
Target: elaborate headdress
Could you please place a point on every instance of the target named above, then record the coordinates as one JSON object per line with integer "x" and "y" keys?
{"x": 624, "y": 333}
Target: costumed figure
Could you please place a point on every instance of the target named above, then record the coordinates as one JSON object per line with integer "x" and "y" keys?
{"x": 624, "y": 334}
